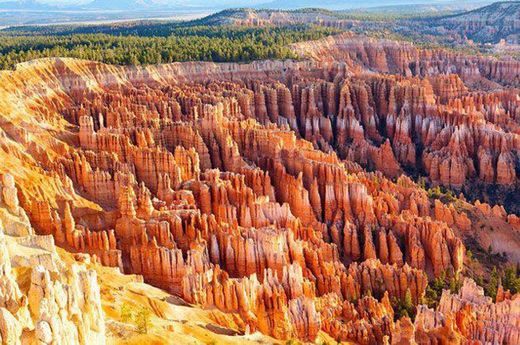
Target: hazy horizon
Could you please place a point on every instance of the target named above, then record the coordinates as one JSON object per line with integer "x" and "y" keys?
{"x": 44, "y": 12}
{"x": 240, "y": 3}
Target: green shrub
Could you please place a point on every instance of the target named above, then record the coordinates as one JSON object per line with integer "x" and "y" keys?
{"x": 141, "y": 317}
{"x": 126, "y": 313}
{"x": 404, "y": 307}
{"x": 142, "y": 320}
{"x": 435, "y": 288}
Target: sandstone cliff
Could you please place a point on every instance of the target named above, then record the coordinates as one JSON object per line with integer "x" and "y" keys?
{"x": 57, "y": 304}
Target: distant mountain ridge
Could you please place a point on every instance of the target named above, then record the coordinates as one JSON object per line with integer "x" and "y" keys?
{"x": 30, "y": 5}
{"x": 122, "y": 5}
{"x": 26, "y": 5}
{"x": 342, "y": 4}
{"x": 489, "y": 24}
{"x": 137, "y": 5}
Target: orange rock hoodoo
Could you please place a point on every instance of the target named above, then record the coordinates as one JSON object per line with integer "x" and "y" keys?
{"x": 241, "y": 187}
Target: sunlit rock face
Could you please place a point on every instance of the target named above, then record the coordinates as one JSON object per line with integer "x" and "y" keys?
{"x": 42, "y": 300}
{"x": 475, "y": 315}
{"x": 274, "y": 190}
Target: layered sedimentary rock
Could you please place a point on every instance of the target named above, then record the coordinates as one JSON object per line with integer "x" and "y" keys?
{"x": 405, "y": 59}
{"x": 466, "y": 134}
{"x": 473, "y": 315}
{"x": 61, "y": 304}
{"x": 243, "y": 187}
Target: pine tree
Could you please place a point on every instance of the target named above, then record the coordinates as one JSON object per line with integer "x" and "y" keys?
{"x": 408, "y": 302}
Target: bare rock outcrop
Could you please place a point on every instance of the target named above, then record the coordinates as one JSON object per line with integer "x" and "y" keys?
{"x": 61, "y": 305}
{"x": 274, "y": 191}
{"x": 473, "y": 315}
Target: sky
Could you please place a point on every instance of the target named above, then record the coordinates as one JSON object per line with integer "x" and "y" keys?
{"x": 250, "y": 3}
{"x": 183, "y": 2}
{"x": 56, "y": 2}
{"x": 68, "y": 2}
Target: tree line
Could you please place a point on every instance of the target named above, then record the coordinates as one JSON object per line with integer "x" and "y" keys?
{"x": 196, "y": 43}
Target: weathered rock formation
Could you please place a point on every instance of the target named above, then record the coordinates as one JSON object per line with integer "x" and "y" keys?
{"x": 473, "y": 315}
{"x": 61, "y": 304}
{"x": 242, "y": 187}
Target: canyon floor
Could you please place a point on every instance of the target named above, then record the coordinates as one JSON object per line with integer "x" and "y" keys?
{"x": 316, "y": 200}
